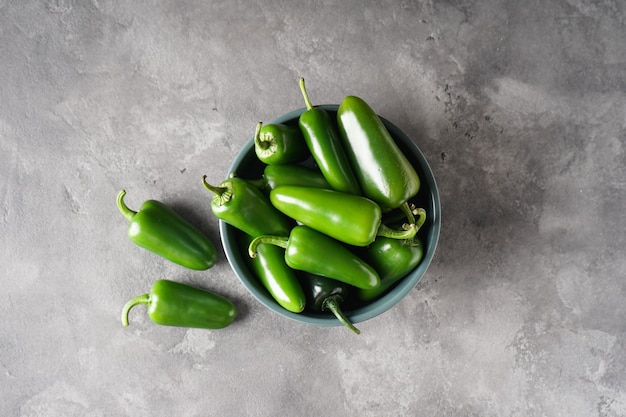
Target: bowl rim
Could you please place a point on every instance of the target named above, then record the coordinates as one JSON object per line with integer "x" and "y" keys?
{"x": 398, "y": 292}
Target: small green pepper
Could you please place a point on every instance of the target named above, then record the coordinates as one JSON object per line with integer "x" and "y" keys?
{"x": 349, "y": 218}
{"x": 279, "y": 144}
{"x": 159, "y": 229}
{"x": 243, "y": 206}
{"x": 290, "y": 174}
{"x": 174, "y": 304}
{"x": 278, "y": 279}
{"x": 313, "y": 252}
{"x": 384, "y": 173}
{"x": 325, "y": 294}
{"x": 324, "y": 143}
{"x": 392, "y": 259}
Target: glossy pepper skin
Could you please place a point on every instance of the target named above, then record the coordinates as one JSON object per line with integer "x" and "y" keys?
{"x": 290, "y": 174}
{"x": 384, "y": 173}
{"x": 174, "y": 304}
{"x": 159, "y": 229}
{"x": 279, "y": 144}
{"x": 326, "y": 294}
{"x": 349, "y": 218}
{"x": 278, "y": 279}
{"x": 243, "y": 206}
{"x": 313, "y": 252}
{"x": 324, "y": 143}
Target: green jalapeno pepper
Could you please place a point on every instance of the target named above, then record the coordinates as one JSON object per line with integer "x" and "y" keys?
{"x": 245, "y": 207}
{"x": 384, "y": 173}
{"x": 278, "y": 279}
{"x": 159, "y": 229}
{"x": 349, "y": 218}
{"x": 392, "y": 259}
{"x": 326, "y": 294}
{"x": 322, "y": 138}
{"x": 174, "y": 304}
{"x": 311, "y": 251}
{"x": 279, "y": 144}
{"x": 290, "y": 174}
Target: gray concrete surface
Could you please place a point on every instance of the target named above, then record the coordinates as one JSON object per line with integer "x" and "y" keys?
{"x": 520, "y": 107}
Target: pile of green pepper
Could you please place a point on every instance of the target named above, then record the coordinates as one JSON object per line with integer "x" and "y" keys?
{"x": 162, "y": 231}
{"x": 317, "y": 237}
{"x": 329, "y": 225}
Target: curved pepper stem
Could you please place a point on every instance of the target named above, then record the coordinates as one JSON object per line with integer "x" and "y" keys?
{"x": 222, "y": 194}
{"x": 332, "y": 303}
{"x": 140, "y": 299}
{"x": 307, "y": 101}
{"x": 128, "y": 213}
{"x": 408, "y": 212}
{"x": 273, "y": 240}
{"x": 421, "y": 213}
{"x": 258, "y": 142}
{"x": 408, "y": 232}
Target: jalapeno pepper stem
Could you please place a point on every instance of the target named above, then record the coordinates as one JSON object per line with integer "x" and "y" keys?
{"x": 406, "y": 209}
{"x": 421, "y": 213}
{"x": 408, "y": 231}
{"x": 140, "y": 299}
{"x": 258, "y": 141}
{"x": 307, "y": 101}
{"x": 332, "y": 303}
{"x": 224, "y": 194}
{"x": 266, "y": 239}
{"x": 128, "y": 213}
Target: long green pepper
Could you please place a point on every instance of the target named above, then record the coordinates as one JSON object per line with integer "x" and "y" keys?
{"x": 324, "y": 143}
{"x": 278, "y": 279}
{"x": 313, "y": 252}
{"x": 383, "y": 172}
{"x": 174, "y": 304}
{"x": 349, "y": 218}
{"x": 159, "y": 229}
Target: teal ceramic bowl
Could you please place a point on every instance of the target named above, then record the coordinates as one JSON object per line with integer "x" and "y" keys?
{"x": 246, "y": 165}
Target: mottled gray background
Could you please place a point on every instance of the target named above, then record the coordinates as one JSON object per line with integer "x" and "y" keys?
{"x": 519, "y": 106}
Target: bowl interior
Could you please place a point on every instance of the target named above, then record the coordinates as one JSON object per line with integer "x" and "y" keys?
{"x": 246, "y": 165}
